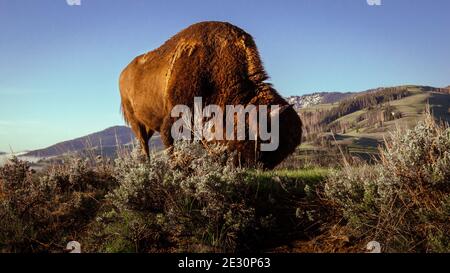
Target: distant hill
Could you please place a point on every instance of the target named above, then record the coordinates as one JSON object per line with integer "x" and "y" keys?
{"x": 363, "y": 119}
{"x": 2, "y": 153}
{"x": 309, "y": 100}
{"x": 104, "y": 142}
{"x": 324, "y": 98}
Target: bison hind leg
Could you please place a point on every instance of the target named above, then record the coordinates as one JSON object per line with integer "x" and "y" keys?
{"x": 143, "y": 134}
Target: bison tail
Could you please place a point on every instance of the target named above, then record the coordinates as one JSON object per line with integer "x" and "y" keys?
{"x": 124, "y": 111}
{"x": 125, "y": 106}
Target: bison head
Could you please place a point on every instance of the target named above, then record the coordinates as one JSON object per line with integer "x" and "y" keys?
{"x": 251, "y": 152}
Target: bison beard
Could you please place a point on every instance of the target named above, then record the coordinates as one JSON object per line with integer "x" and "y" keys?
{"x": 213, "y": 60}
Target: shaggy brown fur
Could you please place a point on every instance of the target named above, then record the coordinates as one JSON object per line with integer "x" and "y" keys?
{"x": 214, "y": 60}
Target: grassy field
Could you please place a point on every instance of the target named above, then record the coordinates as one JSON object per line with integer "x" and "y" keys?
{"x": 309, "y": 176}
{"x": 363, "y": 136}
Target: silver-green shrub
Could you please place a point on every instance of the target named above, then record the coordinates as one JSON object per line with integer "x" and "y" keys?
{"x": 403, "y": 201}
{"x": 42, "y": 212}
{"x": 192, "y": 197}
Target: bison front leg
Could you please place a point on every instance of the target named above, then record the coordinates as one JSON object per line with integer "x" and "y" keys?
{"x": 166, "y": 132}
{"x": 145, "y": 142}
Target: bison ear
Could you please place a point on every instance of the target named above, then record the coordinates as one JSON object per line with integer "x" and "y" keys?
{"x": 281, "y": 109}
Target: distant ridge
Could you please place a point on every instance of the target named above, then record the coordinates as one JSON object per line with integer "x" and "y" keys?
{"x": 317, "y": 98}
{"x": 105, "y": 142}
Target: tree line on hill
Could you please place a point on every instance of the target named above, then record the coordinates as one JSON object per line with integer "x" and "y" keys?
{"x": 320, "y": 121}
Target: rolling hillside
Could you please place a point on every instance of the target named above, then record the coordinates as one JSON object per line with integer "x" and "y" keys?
{"x": 104, "y": 142}
{"x": 363, "y": 125}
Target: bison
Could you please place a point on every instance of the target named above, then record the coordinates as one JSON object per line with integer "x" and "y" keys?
{"x": 216, "y": 61}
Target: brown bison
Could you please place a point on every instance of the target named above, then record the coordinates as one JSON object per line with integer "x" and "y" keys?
{"x": 213, "y": 60}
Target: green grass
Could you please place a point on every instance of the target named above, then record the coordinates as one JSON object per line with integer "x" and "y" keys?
{"x": 307, "y": 146}
{"x": 351, "y": 117}
{"x": 413, "y": 105}
{"x": 288, "y": 182}
{"x": 312, "y": 175}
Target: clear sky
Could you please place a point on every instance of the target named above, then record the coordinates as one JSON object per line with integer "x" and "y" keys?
{"x": 59, "y": 64}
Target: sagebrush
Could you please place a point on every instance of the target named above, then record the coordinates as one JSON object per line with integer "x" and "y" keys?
{"x": 192, "y": 198}
{"x": 404, "y": 200}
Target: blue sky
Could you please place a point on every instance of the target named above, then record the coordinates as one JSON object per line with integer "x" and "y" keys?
{"x": 59, "y": 64}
